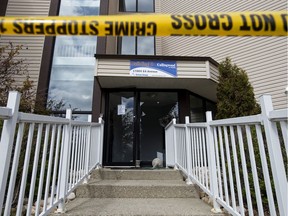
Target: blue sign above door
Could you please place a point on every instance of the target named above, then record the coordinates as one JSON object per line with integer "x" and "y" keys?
{"x": 149, "y": 68}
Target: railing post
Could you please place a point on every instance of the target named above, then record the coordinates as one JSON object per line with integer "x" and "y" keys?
{"x": 175, "y": 143}
{"x": 212, "y": 163}
{"x": 276, "y": 159}
{"x": 100, "y": 142}
{"x": 188, "y": 152}
{"x": 65, "y": 164}
{"x": 88, "y": 147}
{"x": 6, "y": 143}
{"x": 169, "y": 144}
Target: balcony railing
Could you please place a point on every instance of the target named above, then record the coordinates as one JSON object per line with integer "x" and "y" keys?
{"x": 240, "y": 163}
{"x": 43, "y": 158}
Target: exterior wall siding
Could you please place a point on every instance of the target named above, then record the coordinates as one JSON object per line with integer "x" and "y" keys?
{"x": 112, "y": 67}
{"x": 214, "y": 73}
{"x": 158, "y": 40}
{"x": 263, "y": 58}
{"x": 32, "y": 46}
{"x": 121, "y": 67}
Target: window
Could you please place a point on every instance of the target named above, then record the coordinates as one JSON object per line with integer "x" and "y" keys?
{"x": 197, "y": 112}
{"x": 136, "y": 45}
{"x": 72, "y": 73}
{"x": 198, "y": 108}
{"x": 210, "y": 106}
{"x": 136, "y": 5}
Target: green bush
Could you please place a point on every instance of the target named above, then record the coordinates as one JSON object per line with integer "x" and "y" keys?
{"x": 235, "y": 99}
{"x": 234, "y": 92}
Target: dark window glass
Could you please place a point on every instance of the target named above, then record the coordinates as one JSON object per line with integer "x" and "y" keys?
{"x": 121, "y": 126}
{"x": 196, "y": 109}
{"x": 136, "y": 45}
{"x": 157, "y": 111}
{"x": 136, "y": 5}
{"x": 128, "y": 5}
{"x": 210, "y": 106}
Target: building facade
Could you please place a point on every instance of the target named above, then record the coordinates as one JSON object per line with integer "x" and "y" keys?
{"x": 138, "y": 84}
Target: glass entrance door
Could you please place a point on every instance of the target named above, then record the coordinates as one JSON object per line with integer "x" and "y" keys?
{"x": 135, "y": 126}
{"x": 120, "y": 131}
{"x": 157, "y": 110}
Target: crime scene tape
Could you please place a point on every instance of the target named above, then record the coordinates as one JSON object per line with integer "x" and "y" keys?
{"x": 273, "y": 23}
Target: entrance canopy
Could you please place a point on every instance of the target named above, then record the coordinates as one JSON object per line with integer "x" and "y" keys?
{"x": 196, "y": 74}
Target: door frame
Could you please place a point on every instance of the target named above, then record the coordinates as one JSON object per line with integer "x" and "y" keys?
{"x": 107, "y": 150}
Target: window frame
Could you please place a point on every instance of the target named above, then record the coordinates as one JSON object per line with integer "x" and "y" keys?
{"x": 121, "y": 7}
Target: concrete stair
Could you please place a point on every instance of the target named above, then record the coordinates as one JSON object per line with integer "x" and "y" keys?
{"x": 136, "y": 184}
{"x": 137, "y": 192}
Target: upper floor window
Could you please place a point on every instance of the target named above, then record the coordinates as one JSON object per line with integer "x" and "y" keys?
{"x": 136, "y": 5}
{"x": 144, "y": 45}
{"x": 73, "y": 61}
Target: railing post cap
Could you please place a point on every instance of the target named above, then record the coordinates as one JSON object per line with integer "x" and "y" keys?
{"x": 266, "y": 103}
{"x": 14, "y": 92}
{"x": 68, "y": 113}
{"x": 208, "y": 116}
{"x": 187, "y": 120}
{"x": 265, "y": 96}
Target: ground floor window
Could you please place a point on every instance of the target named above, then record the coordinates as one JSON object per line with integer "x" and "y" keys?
{"x": 198, "y": 108}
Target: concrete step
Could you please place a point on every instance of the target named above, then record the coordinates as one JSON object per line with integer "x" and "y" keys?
{"x": 157, "y": 174}
{"x": 139, "y": 207}
{"x": 136, "y": 189}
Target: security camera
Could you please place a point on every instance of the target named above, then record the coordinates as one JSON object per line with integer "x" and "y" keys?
{"x": 286, "y": 90}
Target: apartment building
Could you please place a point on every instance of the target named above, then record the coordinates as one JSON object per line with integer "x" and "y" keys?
{"x": 138, "y": 84}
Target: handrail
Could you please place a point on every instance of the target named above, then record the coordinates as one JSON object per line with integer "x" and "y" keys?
{"x": 28, "y": 117}
{"x": 82, "y": 123}
{"x": 173, "y": 121}
{"x": 64, "y": 153}
{"x": 180, "y": 125}
{"x": 199, "y": 125}
{"x": 5, "y": 113}
{"x": 230, "y": 158}
{"x": 250, "y": 120}
{"x": 277, "y": 115}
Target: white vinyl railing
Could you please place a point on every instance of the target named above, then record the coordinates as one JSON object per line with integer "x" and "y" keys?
{"x": 43, "y": 159}
{"x": 240, "y": 163}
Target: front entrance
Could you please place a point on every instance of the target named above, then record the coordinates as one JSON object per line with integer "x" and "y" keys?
{"x": 135, "y": 123}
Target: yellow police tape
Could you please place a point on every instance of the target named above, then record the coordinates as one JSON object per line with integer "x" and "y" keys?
{"x": 269, "y": 23}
